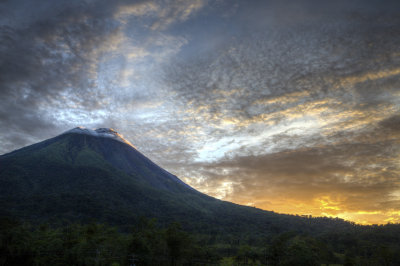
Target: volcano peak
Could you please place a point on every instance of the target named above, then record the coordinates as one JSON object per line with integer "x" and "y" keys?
{"x": 100, "y": 132}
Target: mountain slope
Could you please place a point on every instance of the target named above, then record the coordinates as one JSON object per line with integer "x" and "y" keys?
{"x": 86, "y": 175}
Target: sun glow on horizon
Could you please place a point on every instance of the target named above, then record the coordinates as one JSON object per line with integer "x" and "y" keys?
{"x": 322, "y": 206}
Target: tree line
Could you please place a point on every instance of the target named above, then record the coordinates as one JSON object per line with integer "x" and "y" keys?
{"x": 148, "y": 243}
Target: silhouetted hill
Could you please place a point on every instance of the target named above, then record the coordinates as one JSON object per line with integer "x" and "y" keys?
{"x": 85, "y": 175}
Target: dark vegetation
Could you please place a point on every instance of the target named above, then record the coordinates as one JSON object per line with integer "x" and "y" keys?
{"x": 146, "y": 243}
{"x": 80, "y": 200}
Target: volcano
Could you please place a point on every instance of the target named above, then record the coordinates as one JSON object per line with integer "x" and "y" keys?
{"x": 88, "y": 175}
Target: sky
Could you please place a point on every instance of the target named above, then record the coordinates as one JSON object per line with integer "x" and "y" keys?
{"x": 289, "y": 106}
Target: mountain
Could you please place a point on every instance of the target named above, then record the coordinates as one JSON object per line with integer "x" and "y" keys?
{"x": 87, "y": 175}
{"x": 94, "y": 177}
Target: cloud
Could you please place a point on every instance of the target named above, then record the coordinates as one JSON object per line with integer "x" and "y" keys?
{"x": 161, "y": 14}
{"x": 291, "y": 106}
{"x": 136, "y": 9}
{"x": 62, "y": 64}
{"x": 391, "y": 124}
{"x": 340, "y": 179}
{"x": 49, "y": 62}
{"x": 317, "y": 101}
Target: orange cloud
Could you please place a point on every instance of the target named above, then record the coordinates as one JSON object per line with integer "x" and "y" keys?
{"x": 355, "y": 79}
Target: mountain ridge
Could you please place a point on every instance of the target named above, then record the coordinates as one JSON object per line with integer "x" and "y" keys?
{"x": 80, "y": 177}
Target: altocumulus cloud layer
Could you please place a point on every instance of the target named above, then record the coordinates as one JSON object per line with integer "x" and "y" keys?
{"x": 291, "y": 106}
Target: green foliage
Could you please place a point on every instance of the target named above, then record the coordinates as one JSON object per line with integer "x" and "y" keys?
{"x": 97, "y": 244}
{"x": 147, "y": 243}
{"x": 178, "y": 242}
{"x": 227, "y": 261}
{"x": 15, "y": 243}
{"x": 302, "y": 253}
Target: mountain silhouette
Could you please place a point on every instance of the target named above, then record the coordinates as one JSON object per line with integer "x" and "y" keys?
{"x": 88, "y": 175}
